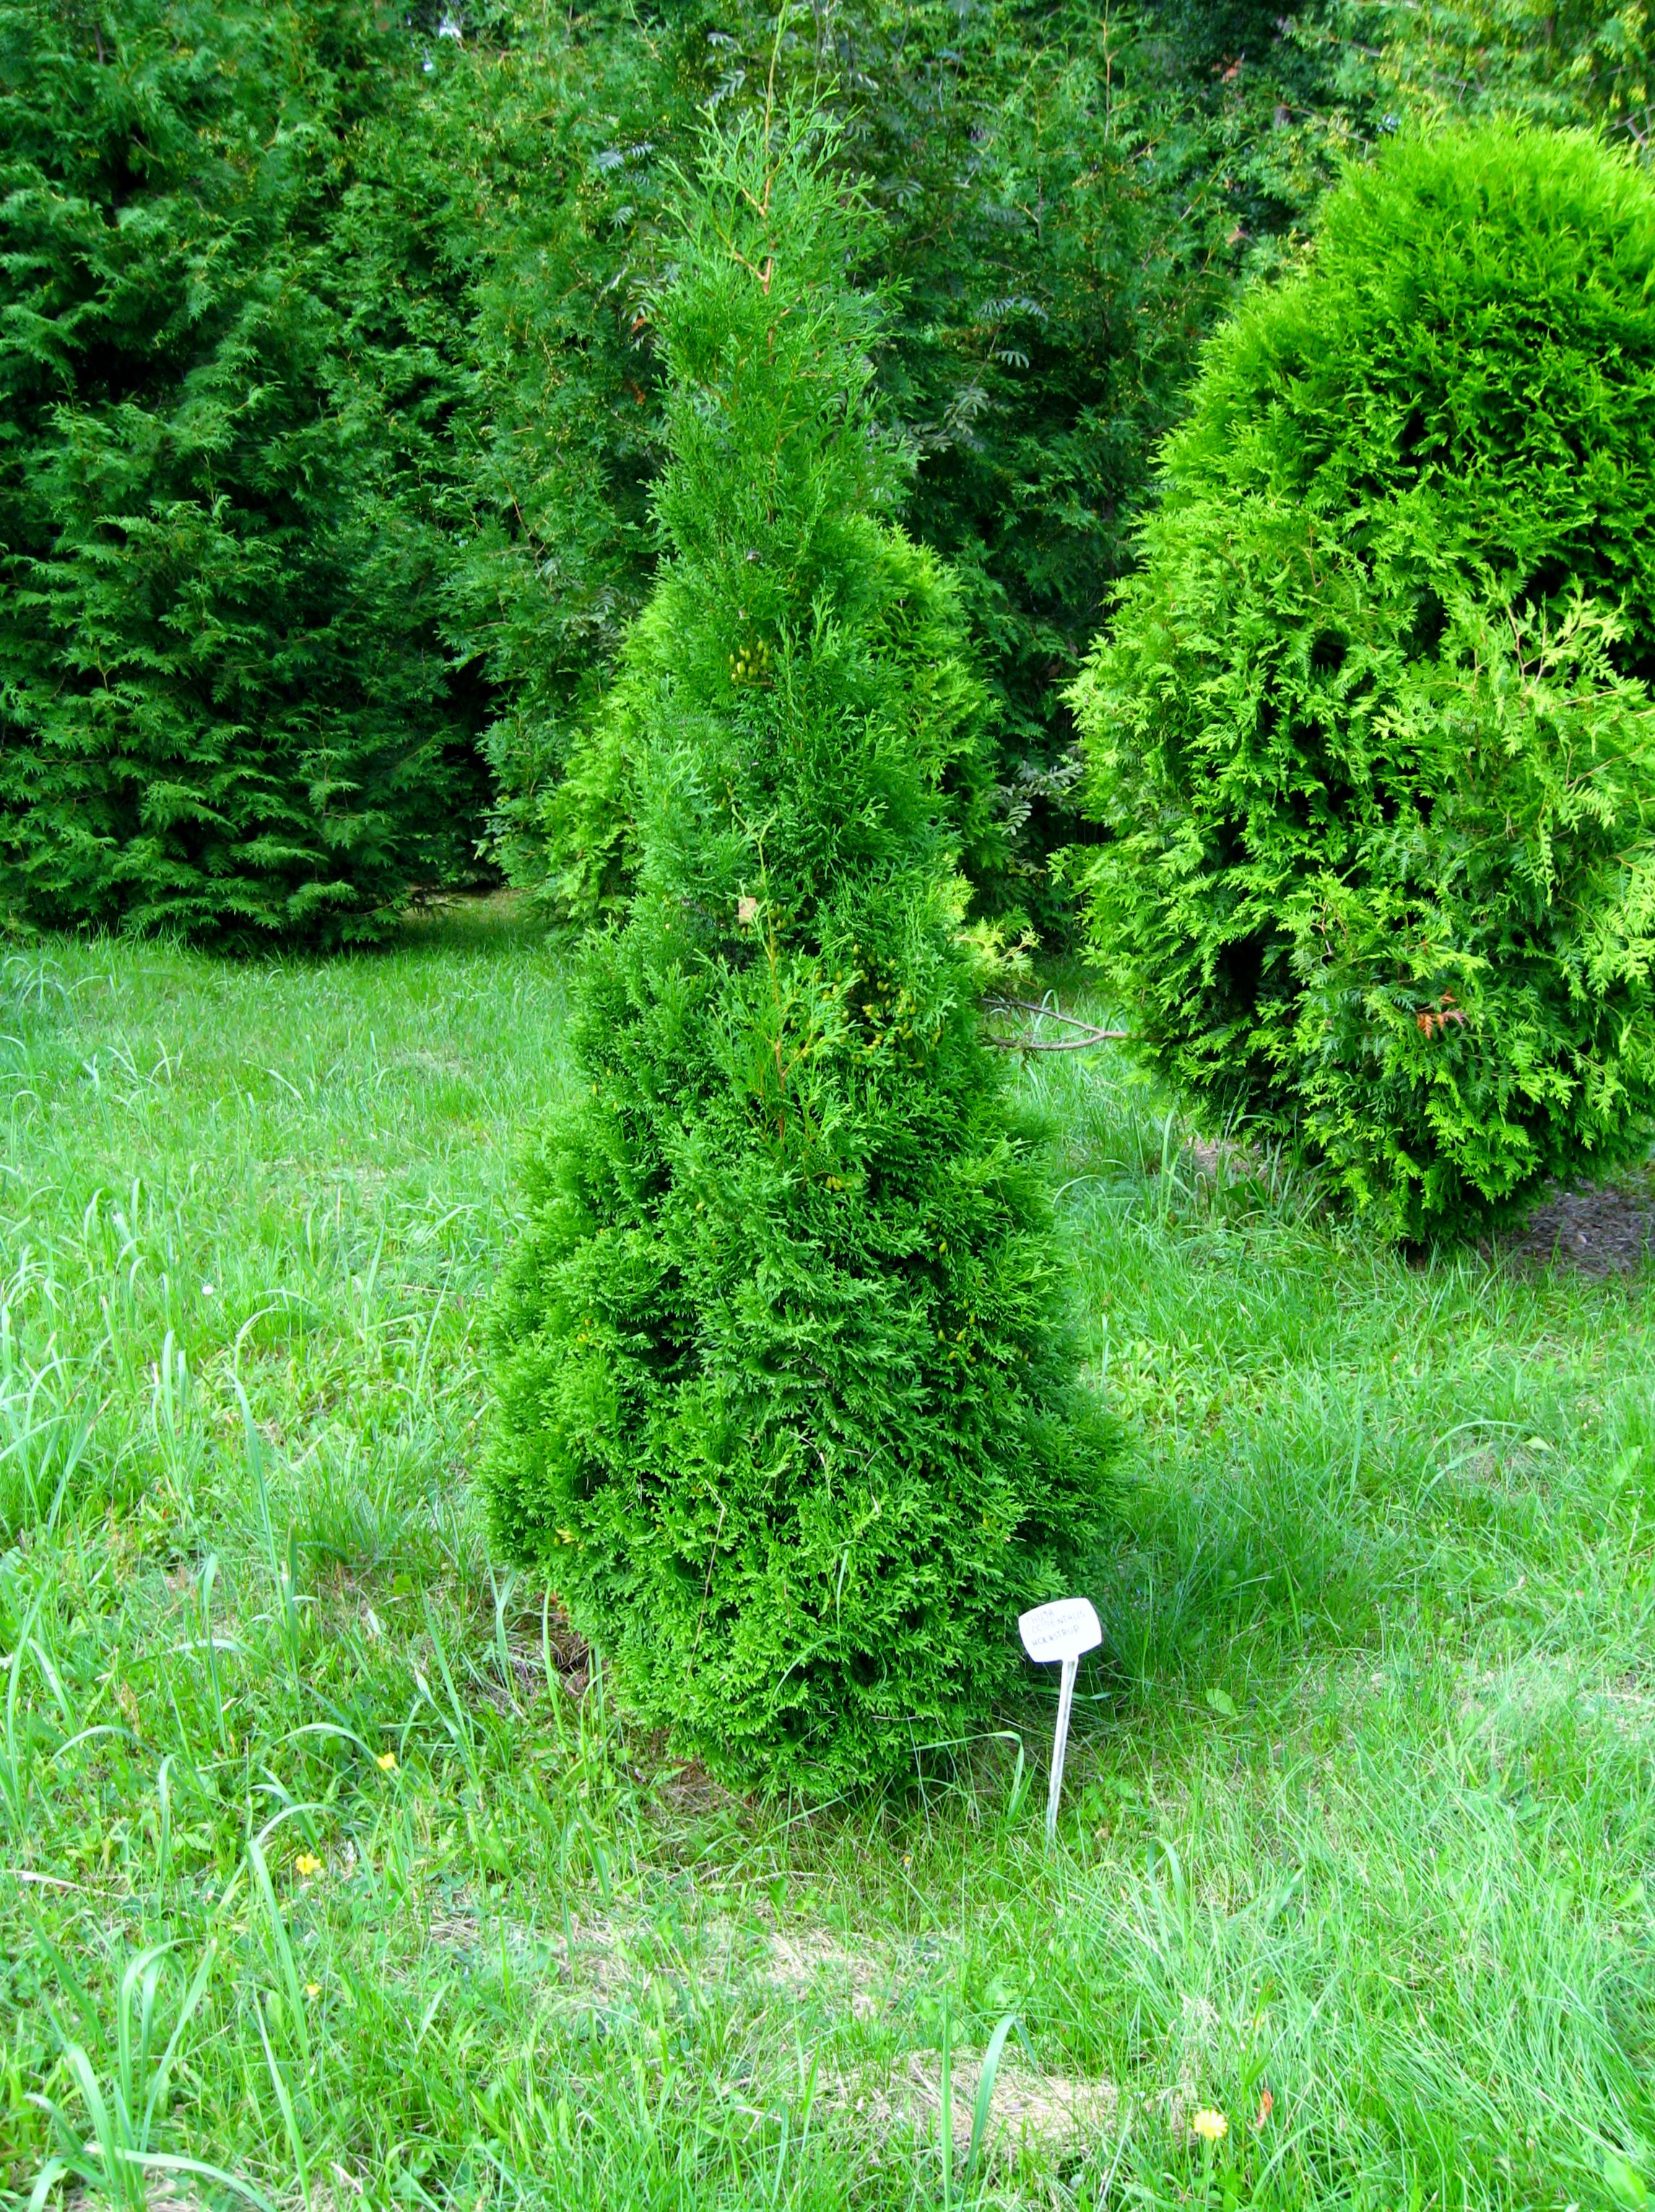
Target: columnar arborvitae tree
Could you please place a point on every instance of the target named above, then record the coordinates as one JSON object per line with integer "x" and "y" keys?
{"x": 788, "y": 1412}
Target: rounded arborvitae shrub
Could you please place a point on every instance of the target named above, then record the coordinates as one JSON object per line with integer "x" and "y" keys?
{"x": 788, "y": 1412}
{"x": 1372, "y": 735}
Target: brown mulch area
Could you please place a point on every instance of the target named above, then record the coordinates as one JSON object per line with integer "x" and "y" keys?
{"x": 1604, "y": 1230}
{"x": 1599, "y": 1230}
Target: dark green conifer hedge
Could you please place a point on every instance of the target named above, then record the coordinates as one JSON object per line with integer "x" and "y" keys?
{"x": 788, "y": 1401}
{"x": 1371, "y": 734}
{"x": 329, "y": 402}
{"x": 225, "y": 705}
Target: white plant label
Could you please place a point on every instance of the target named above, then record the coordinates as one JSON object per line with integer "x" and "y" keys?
{"x": 1062, "y": 1631}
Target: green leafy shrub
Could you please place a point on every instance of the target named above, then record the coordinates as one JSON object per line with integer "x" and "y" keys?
{"x": 225, "y": 707}
{"x": 788, "y": 1402}
{"x": 1589, "y": 61}
{"x": 1371, "y": 734}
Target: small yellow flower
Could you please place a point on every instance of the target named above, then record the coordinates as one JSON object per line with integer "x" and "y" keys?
{"x": 305, "y": 1865}
{"x": 387, "y": 1762}
{"x": 1211, "y": 2127}
{"x": 313, "y": 1988}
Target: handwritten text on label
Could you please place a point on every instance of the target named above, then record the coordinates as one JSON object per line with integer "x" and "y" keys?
{"x": 1062, "y": 1631}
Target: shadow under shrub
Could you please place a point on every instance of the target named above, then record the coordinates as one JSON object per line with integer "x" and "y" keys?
{"x": 1371, "y": 734}
{"x": 789, "y": 1407}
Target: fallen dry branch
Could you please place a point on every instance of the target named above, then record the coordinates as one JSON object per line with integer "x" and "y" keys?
{"x": 1092, "y": 1034}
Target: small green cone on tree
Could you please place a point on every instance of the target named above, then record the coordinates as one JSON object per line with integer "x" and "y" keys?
{"x": 789, "y": 1407}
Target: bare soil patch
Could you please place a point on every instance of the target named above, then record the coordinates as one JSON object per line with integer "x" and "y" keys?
{"x": 1604, "y": 1228}
{"x": 1051, "y": 2113}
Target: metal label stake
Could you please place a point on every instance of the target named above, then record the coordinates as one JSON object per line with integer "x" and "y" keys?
{"x": 1063, "y": 1631}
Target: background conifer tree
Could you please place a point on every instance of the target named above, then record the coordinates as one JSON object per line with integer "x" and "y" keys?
{"x": 225, "y": 710}
{"x": 1058, "y": 228}
{"x": 787, "y": 1397}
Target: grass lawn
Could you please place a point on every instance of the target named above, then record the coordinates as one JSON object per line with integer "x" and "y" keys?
{"x": 324, "y": 1864}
